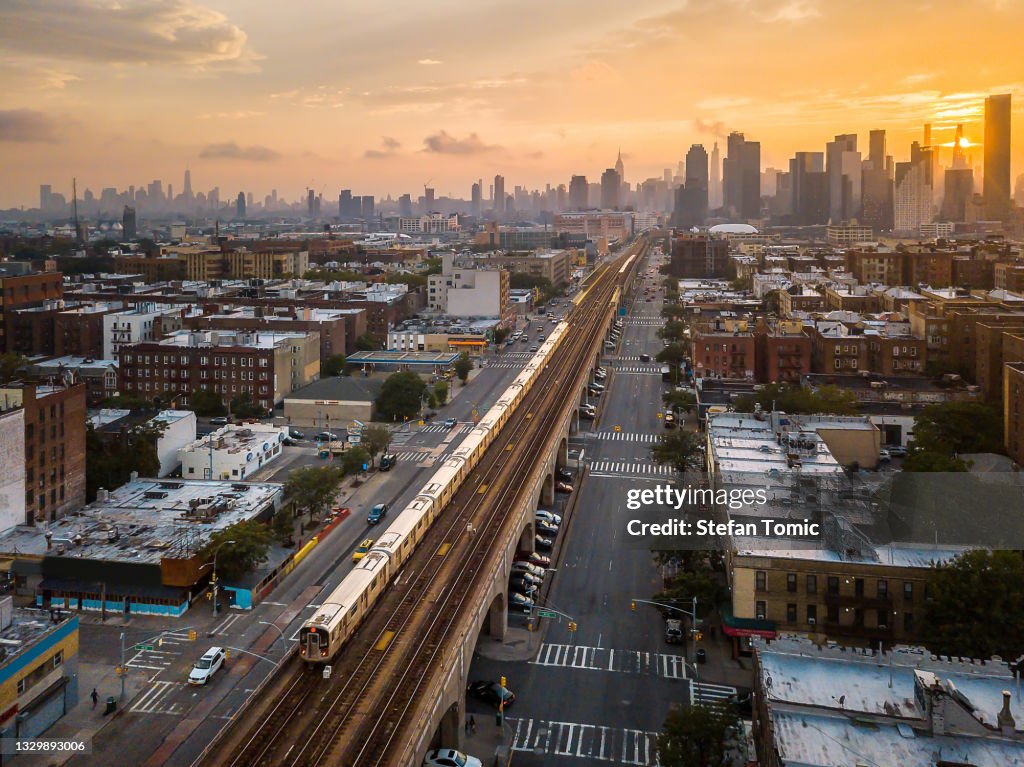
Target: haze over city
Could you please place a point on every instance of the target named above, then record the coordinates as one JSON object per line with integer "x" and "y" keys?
{"x": 251, "y": 98}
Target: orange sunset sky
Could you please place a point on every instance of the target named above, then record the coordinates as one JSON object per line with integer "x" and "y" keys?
{"x": 381, "y": 97}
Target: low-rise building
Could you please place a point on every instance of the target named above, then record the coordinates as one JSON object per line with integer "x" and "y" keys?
{"x": 724, "y": 349}
{"x": 232, "y": 452}
{"x": 783, "y": 351}
{"x": 177, "y": 429}
{"x": 39, "y": 669}
{"x": 333, "y": 402}
{"x": 100, "y": 376}
{"x": 552, "y": 265}
{"x": 136, "y": 549}
{"x": 462, "y": 291}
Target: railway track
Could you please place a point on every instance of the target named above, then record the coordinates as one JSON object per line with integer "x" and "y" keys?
{"x": 356, "y": 717}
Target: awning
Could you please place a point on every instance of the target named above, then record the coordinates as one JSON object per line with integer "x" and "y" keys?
{"x": 5, "y": 565}
{"x": 745, "y": 627}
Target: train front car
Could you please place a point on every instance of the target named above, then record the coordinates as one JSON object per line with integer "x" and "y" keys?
{"x": 315, "y": 634}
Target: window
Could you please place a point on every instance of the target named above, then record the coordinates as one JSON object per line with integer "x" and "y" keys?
{"x": 791, "y": 583}
{"x": 58, "y": 658}
{"x": 908, "y": 591}
{"x": 833, "y": 614}
{"x": 760, "y": 610}
{"x": 812, "y": 584}
{"x": 908, "y": 622}
{"x": 833, "y": 585}
{"x": 791, "y": 613}
{"x": 761, "y": 580}
{"x": 858, "y": 587}
{"x": 883, "y": 589}
{"x": 812, "y": 614}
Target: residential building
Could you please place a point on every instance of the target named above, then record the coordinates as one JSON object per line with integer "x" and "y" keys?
{"x": 131, "y": 326}
{"x": 1013, "y": 410}
{"x": 847, "y": 298}
{"x": 100, "y": 376}
{"x": 54, "y": 446}
{"x": 895, "y": 352}
{"x": 552, "y": 265}
{"x": 782, "y": 351}
{"x": 39, "y": 669}
{"x": 698, "y": 256}
{"x": 835, "y": 348}
{"x": 24, "y": 291}
{"x": 800, "y": 298}
{"x": 724, "y": 349}
{"x": 177, "y": 428}
{"x": 12, "y": 469}
{"x": 232, "y": 452}
{"x": 914, "y": 191}
{"x": 867, "y": 266}
{"x": 467, "y": 292}
{"x": 78, "y": 329}
{"x": 595, "y": 224}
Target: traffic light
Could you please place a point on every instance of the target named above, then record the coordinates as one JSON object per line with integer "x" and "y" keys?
{"x": 572, "y": 626}
{"x": 699, "y": 635}
{"x": 192, "y": 635}
{"x": 632, "y": 605}
{"x": 503, "y": 681}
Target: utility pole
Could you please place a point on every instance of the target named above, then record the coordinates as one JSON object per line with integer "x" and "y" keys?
{"x": 123, "y": 669}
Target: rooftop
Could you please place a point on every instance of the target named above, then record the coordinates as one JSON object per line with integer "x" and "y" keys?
{"x": 262, "y": 339}
{"x": 340, "y": 389}
{"x": 146, "y": 520}
{"x": 27, "y": 627}
{"x": 237, "y": 439}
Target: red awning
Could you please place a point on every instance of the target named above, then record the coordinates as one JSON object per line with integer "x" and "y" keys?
{"x": 736, "y": 632}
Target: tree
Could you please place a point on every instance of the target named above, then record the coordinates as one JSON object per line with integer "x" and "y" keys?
{"x": 353, "y": 460}
{"x": 975, "y": 606}
{"x": 400, "y": 396}
{"x": 333, "y": 365}
{"x": 795, "y": 399}
{"x": 283, "y": 526}
{"x": 113, "y": 458}
{"x": 674, "y": 331}
{"x": 441, "y": 391}
{"x": 376, "y": 439}
{"x": 412, "y": 280}
{"x": 700, "y": 583}
{"x": 772, "y": 302}
{"x": 960, "y": 427}
{"x": 367, "y": 343}
{"x": 312, "y": 488}
{"x": 462, "y": 367}
{"x": 500, "y": 334}
{"x": 207, "y": 403}
{"x": 128, "y": 402}
{"x": 10, "y": 362}
{"x": 680, "y": 449}
{"x": 251, "y": 543}
{"x": 242, "y": 406}
{"x": 929, "y": 460}
{"x": 678, "y": 401}
{"x": 698, "y": 736}
{"x": 671, "y": 354}
{"x": 673, "y": 311}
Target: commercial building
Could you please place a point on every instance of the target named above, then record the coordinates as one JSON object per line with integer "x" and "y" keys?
{"x": 834, "y": 706}
{"x": 266, "y": 366}
{"x": 232, "y": 452}
{"x": 137, "y": 549}
{"x": 552, "y": 265}
{"x": 848, "y": 234}
{"x": 741, "y": 177}
{"x": 462, "y": 291}
{"x": 54, "y": 446}
{"x": 608, "y": 225}
{"x": 333, "y": 402}
{"x": 177, "y": 429}
{"x": 997, "y": 156}
{"x": 39, "y": 669}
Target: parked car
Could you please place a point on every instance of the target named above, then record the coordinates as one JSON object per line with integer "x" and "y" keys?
{"x": 449, "y": 423}
{"x": 565, "y": 475}
{"x": 609, "y": 345}
{"x": 534, "y": 558}
{"x": 208, "y": 665}
{"x": 543, "y": 543}
{"x": 519, "y": 602}
{"x": 884, "y": 455}
{"x": 218, "y": 420}
{"x": 377, "y": 513}
{"x": 897, "y": 451}
{"x": 599, "y": 387}
{"x": 526, "y": 567}
{"x": 327, "y": 436}
{"x": 670, "y": 421}
{"x": 387, "y": 461}
{"x": 296, "y": 434}
{"x": 550, "y": 516}
{"x": 525, "y": 588}
{"x": 563, "y": 487}
{"x": 673, "y": 631}
{"x": 449, "y": 757}
{"x": 533, "y": 348}
{"x": 546, "y": 528}
{"x": 593, "y": 392}
{"x": 492, "y": 693}
{"x": 361, "y": 549}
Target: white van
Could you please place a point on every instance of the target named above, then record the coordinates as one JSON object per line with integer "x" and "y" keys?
{"x": 207, "y": 666}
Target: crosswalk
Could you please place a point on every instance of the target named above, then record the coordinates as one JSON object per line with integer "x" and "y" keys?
{"x": 629, "y": 468}
{"x": 661, "y": 665}
{"x": 507, "y": 364}
{"x": 165, "y": 651}
{"x": 156, "y": 698}
{"x": 655, "y": 322}
{"x": 584, "y": 741}
{"x": 649, "y": 370}
{"x": 440, "y": 428}
{"x": 624, "y": 436}
{"x": 705, "y": 692}
{"x": 225, "y": 625}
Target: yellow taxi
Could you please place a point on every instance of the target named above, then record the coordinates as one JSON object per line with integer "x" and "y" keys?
{"x": 361, "y": 550}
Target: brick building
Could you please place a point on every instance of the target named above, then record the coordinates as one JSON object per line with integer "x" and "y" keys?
{"x": 78, "y": 330}
{"x": 895, "y": 354}
{"x": 1013, "y": 409}
{"x": 697, "y": 257}
{"x": 836, "y": 349}
{"x": 783, "y": 352}
{"x": 724, "y": 349}
{"x": 55, "y": 416}
{"x": 25, "y": 291}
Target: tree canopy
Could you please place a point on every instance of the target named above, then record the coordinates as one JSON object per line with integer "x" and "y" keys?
{"x": 441, "y": 392}
{"x": 698, "y": 736}
{"x": 242, "y": 406}
{"x": 795, "y": 399}
{"x": 312, "y": 488}
{"x": 333, "y": 365}
{"x": 673, "y": 331}
{"x": 112, "y": 458}
{"x": 251, "y": 543}
{"x": 975, "y": 606}
{"x": 207, "y": 403}
{"x": 679, "y": 401}
{"x": 679, "y": 449}
{"x": 376, "y": 439}
{"x": 9, "y": 364}
{"x": 463, "y": 365}
{"x": 700, "y": 583}
{"x": 400, "y": 396}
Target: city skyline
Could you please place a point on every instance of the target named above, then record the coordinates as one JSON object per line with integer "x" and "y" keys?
{"x": 383, "y": 105}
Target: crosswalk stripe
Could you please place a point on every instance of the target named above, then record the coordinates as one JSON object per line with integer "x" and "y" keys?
{"x": 585, "y": 741}
{"x": 153, "y": 699}
{"x": 606, "y": 659}
{"x": 623, "y": 436}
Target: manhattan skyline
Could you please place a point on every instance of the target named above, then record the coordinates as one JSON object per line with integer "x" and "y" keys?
{"x": 251, "y": 99}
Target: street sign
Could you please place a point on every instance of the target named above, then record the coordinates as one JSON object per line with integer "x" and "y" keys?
{"x": 142, "y": 647}
{"x": 546, "y": 614}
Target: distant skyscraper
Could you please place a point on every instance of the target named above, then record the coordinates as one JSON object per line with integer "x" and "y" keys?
{"x": 1018, "y": 191}
{"x": 367, "y": 206}
{"x": 958, "y": 191}
{"x": 715, "y": 188}
{"x": 310, "y": 203}
{"x": 877, "y": 185}
{"x": 997, "y": 156}
{"x": 809, "y": 188}
{"x": 405, "y": 206}
{"x": 345, "y": 209}
{"x": 130, "y": 230}
{"x": 240, "y": 205}
{"x": 913, "y": 191}
{"x": 477, "y": 199}
{"x": 691, "y": 199}
{"x": 843, "y": 168}
{"x": 620, "y": 168}
{"x": 499, "y": 194}
{"x": 45, "y": 191}
{"x": 578, "y": 193}
{"x": 611, "y": 187}
{"x": 741, "y": 177}
{"x": 186, "y": 192}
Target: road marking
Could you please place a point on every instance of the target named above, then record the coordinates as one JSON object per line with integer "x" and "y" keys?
{"x": 444, "y": 549}
{"x": 153, "y": 700}
{"x": 584, "y": 741}
{"x": 226, "y": 624}
{"x": 629, "y": 468}
{"x": 703, "y": 692}
{"x": 664, "y": 665}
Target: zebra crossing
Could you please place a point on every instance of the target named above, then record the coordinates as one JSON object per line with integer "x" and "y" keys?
{"x": 649, "y": 370}
{"x": 157, "y": 698}
{"x": 440, "y": 428}
{"x": 650, "y": 322}
{"x": 629, "y": 468}
{"x": 225, "y": 625}
{"x": 606, "y": 659}
{"x": 625, "y": 436}
{"x": 584, "y": 741}
{"x": 166, "y": 650}
{"x": 705, "y": 692}
{"x": 507, "y": 364}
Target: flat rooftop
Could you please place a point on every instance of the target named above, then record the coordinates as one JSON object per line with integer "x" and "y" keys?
{"x": 262, "y": 339}
{"x": 28, "y": 626}
{"x": 146, "y": 520}
{"x": 403, "y": 358}
{"x": 237, "y": 439}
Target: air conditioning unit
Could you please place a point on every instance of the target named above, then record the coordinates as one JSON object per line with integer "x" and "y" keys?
{"x": 760, "y": 616}
{"x": 811, "y": 621}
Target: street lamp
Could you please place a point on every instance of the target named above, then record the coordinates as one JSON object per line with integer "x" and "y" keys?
{"x": 214, "y": 576}
{"x": 279, "y": 631}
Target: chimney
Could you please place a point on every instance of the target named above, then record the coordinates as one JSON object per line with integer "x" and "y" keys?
{"x": 1007, "y": 725}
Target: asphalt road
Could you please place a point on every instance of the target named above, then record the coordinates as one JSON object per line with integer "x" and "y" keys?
{"x": 602, "y": 693}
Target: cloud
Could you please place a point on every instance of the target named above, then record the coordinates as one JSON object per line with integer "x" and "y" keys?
{"x": 320, "y": 96}
{"x": 238, "y": 114}
{"x": 538, "y": 155}
{"x": 428, "y": 62}
{"x": 27, "y": 125}
{"x": 144, "y": 32}
{"x": 790, "y": 10}
{"x": 389, "y": 148}
{"x": 444, "y": 143}
{"x": 229, "y": 150}
{"x": 716, "y": 128}
{"x": 468, "y": 96}
{"x": 917, "y": 79}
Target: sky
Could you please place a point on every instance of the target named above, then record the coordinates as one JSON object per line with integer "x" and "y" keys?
{"x": 384, "y": 98}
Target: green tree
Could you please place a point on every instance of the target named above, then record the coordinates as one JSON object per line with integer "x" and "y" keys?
{"x": 975, "y": 606}
{"x": 353, "y": 460}
{"x": 367, "y": 343}
{"x": 376, "y": 439}
{"x": 441, "y": 392}
{"x": 700, "y": 583}
{"x": 400, "y": 396}
{"x": 795, "y": 399}
{"x": 10, "y": 362}
{"x": 679, "y": 401}
{"x": 207, "y": 403}
{"x": 698, "y": 736}
{"x": 242, "y": 406}
{"x": 929, "y": 460}
{"x": 113, "y": 458}
{"x": 283, "y": 526}
{"x": 252, "y": 541}
{"x": 500, "y": 334}
{"x": 960, "y": 427}
{"x": 434, "y": 266}
{"x": 679, "y": 449}
{"x": 772, "y": 302}
{"x": 673, "y": 311}
{"x": 312, "y": 488}
{"x": 128, "y": 402}
{"x": 674, "y": 331}
{"x": 671, "y": 354}
{"x": 404, "y": 278}
{"x": 462, "y": 367}
{"x": 333, "y": 365}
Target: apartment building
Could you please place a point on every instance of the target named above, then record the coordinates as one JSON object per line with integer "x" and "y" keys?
{"x": 552, "y": 265}
{"x": 25, "y": 291}
{"x": 782, "y": 351}
{"x": 461, "y": 291}
{"x": 138, "y": 324}
{"x": 1013, "y": 408}
{"x": 835, "y": 348}
{"x": 724, "y": 349}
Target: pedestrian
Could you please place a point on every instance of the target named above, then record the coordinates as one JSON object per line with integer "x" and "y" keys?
{"x": 95, "y": 697}
{"x": 467, "y": 727}
{"x": 472, "y": 725}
